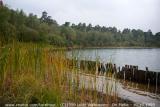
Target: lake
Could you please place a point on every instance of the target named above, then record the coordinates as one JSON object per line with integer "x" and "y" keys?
{"x": 142, "y": 57}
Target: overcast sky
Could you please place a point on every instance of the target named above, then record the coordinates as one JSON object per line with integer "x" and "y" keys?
{"x": 133, "y": 14}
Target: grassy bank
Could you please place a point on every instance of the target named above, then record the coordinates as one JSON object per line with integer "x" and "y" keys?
{"x": 36, "y": 73}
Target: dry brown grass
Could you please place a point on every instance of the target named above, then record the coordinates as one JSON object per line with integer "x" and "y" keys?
{"x": 34, "y": 73}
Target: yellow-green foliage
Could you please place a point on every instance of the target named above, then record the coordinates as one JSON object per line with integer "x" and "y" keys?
{"x": 30, "y": 73}
{"x": 36, "y": 73}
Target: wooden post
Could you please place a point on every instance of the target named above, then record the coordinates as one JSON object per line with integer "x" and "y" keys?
{"x": 156, "y": 81}
{"x": 146, "y": 74}
{"x": 146, "y": 68}
{"x": 119, "y": 69}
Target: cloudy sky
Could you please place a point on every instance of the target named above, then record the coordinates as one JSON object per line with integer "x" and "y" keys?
{"x": 137, "y": 14}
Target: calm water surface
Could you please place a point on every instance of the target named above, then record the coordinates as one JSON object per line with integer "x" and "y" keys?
{"x": 142, "y": 57}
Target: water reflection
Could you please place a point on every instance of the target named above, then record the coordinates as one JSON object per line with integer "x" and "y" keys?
{"x": 125, "y": 90}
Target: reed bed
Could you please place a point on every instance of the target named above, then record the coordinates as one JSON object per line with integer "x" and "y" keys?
{"x": 35, "y": 73}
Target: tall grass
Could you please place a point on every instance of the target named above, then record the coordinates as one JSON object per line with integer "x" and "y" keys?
{"x": 30, "y": 73}
{"x": 36, "y": 73}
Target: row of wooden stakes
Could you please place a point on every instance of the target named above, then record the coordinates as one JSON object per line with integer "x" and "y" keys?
{"x": 127, "y": 72}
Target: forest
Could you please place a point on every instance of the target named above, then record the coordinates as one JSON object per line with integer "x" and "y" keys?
{"x": 16, "y": 25}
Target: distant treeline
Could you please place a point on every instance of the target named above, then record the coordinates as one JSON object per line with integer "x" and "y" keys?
{"x": 16, "y": 25}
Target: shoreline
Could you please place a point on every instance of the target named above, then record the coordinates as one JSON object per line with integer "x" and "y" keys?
{"x": 114, "y": 47}
{"x": 82, "y": 48}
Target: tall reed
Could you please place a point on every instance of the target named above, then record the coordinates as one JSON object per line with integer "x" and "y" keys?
{"x": 37, "y": 73}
